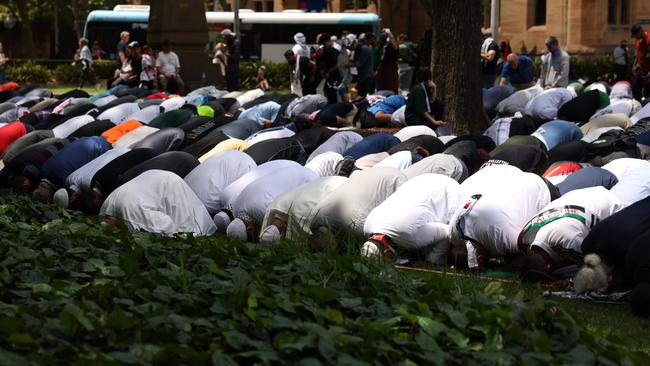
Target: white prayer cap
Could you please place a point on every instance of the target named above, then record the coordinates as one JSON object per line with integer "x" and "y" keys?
{"x": 61, "y": 198}
{"x": 271, "y": 234}
{"x": 221, "y": 219}
{"x": 237, "y": 229}
{"x": 369, "y": 249}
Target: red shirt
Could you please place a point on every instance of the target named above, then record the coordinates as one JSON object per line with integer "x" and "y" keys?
{"x": 643, "y": 52}
{"x": 10, "y": 133}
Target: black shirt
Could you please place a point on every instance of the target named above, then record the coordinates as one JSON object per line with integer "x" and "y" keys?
{"x": 178, "y": 162}
{"x": 327, "y": 116}
{"x": 106, "y": 178}
{"x": 390, "y": 54}
{"x": 490, "y": 67}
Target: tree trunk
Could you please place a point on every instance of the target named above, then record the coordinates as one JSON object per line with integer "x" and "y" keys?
{"x": 456, "y": 64}
{"x": 26, "y": 34}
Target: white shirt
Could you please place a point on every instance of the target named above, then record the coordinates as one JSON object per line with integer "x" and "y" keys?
{"x": 104, "y": 100}
{"x": 347, "y": 207}
{"x": 296, "y": 208}
{"x": 399, "y": 160}
{"x": 209, "y": 178}
{"x": 145, "y": 115}
{"x": 499, "y": 130}
{"x": 119, "y": 113}
{"x": 517, "y": 102}
{"x": 299, "y": 50}
{"x": 79, "y": 180}
{"x": 338, "y": 143}
{"x": 620, "y": 56}
{"x": 325, "y": 164}
{"x": 249, "y": 96}
{"x": 412, "y": 131}
{"x": 642, "y": 113}
{"x": 633, "y": 186}
{"x": 398, "y": 118}
{"x": 544, "y": 107}
{"x": 626, "y": 107}
{"x": 418, "y": 213}
{"x": 168, "y": 62}
{"x": 444, "y": 164}
{"x": 258, "y": 195}
{"x": 507, "y": 201}
{"x": 232, "y": 191}
{"x": 565, "y": 222}
{"x": 68, "y": 127}
{"x": 171, "y": 104}
{"x": 160, "y": 202}
{"x": 621, "y": 167}
{"x": 134, "y": 137}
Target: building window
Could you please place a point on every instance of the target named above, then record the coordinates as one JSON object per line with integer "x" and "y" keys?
{"x": 625, "y": 11}
{"x": 611, "y": 11}
{"x": 539, "y": 12}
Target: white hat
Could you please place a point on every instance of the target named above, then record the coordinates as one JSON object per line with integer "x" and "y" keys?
{"x": 61, "y": 198}
{"x": 221, "y": 219}
{"x": 227, "y": 32}
{"x": 369, "y": 249}
{"x": 237, "y": 229}
{"x": 349, "y": 39}
{"x": 271, "y": 234}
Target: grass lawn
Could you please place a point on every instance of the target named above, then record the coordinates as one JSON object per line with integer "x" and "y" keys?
{"x": 60, "y": 89}
{"x": 609, "y": 320}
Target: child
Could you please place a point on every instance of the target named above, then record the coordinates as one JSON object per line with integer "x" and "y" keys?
{"x": 262, "y": 83}
{"x": 220, "y": 60}
{"x": 148, "y": 74}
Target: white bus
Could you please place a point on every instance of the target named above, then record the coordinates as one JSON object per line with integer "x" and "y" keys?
{"x": 264, "y": 36}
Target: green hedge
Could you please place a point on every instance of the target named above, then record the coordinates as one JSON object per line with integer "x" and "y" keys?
{"x": 63, "y": 72}
{"x": 594, "y": 67}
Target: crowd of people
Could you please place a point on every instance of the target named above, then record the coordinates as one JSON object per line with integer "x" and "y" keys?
{"x": 560, "y": 180}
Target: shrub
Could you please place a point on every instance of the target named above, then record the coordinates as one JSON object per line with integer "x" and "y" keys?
{"x": 104, "y": 69}
{"x": 66, "y": 73}
{"x": 28, "y": 72}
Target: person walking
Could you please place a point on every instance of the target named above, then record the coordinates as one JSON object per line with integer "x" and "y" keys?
{"x": 232, "y": 59}
{"x": 302, "y": 74}
{"x": 621, "y": 61}
{"x": 121, "y": 48}
{"x": 85, "y": 58}
{"x": 489, "y": 58}
{"x": 300, "y": 48}
{"x": 387, "y": 72}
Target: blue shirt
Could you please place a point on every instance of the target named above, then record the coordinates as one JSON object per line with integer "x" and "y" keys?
{"x": 261, "y": 112}
{"x": 72, "y": 157}
{"x": 587, "y": 177}
{"x": 375, "y": 143}
{"x": 388, "y": 105}
{"x": 557, "y": 132}
{"x": 524, "y": 72}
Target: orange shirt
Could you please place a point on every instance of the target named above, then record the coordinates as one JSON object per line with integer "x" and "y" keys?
{"x": 10, "y": 133}
{"x": 643, "y": 52}
{"x": 120, "y": 130}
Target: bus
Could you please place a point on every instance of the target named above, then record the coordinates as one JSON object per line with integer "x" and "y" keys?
{"x": 264, "y": 36}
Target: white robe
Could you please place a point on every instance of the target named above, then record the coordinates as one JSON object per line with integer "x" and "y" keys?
{"x": 347, "y": 207}
{"x": 209, "y": 178}
{"x": 119, "y": 113}
{"x": 508, "y": 199}
{"x": 325, "y": 164}
{"x": 296, "y": 208}
{"x": 444, "y": 164}
{"x": 620, "y": 167}
{"x": 399, "y": 160}
{"x": 544, "y": 107}
{"x": 418, "y": 213}
{"x": 145, "y": 115}
{"x": 412, "y": 131}
{"x": 160, "y": 202}
{"x": 258, "y": 195}
{"x": 566, "y": 222}
{"x": 633, "y": 186}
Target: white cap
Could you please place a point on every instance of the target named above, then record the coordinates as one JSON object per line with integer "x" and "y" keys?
{"x": 221, "y": 219}
{"x": 271, "y": 234}
{"x": 227, "y": 32}
{"x": 369, "y": 249}
{"x": 237, "y": 229}
{"x": 61, "y": 198}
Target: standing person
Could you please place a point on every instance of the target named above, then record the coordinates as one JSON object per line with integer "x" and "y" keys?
{"x": 555, "y": 66}
{"x": 300, "y": 48}
{"x": 232, "y": 59}
{"x": 219, "y": 60}
{"x": 148, "y": 74}
{"x": 518, "y": 70}
{"x": 407, "y": 61}
{"x": 641, "y": 68}
{"x": 3, "y": 61}
{"x": 621, "y": 60}
{"x": 327, "y": 62}
{"x": 302, "y": 73}
{"x": 489, "y": 58}
{"x": 121, "y": 48}
{"x": 169, "y": 68}
{"x": 86, "y": 60}
{"x": 387, "y": 73}
{"x": 363, "y": 63}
